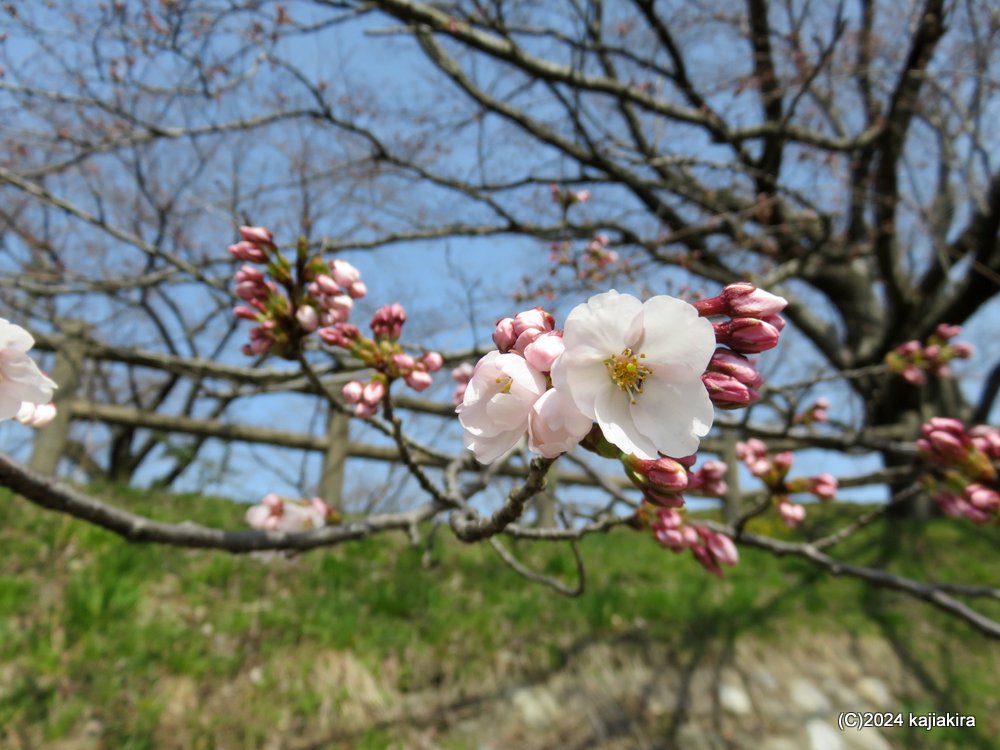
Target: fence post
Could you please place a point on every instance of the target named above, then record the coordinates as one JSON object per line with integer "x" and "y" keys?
{"x": 731, "y": 508}
{"x": 50, "y": 441}
{"x": 331, "y": 483}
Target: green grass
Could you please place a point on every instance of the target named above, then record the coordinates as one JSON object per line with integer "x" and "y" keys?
{"x": 93, "y": 629}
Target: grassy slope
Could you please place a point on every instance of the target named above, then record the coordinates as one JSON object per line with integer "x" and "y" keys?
{"x": 91, "y": 627}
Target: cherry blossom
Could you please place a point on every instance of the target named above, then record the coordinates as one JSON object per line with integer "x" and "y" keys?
{"x": 635, "y": 368}
{"x": 276, "y": 513}
{"x": 497, "y": 404}
{"x": 20, "y": 379}
{"x": 555, "y": 425}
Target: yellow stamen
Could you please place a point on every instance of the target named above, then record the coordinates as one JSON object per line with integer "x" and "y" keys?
{"x": 627, "y": 373}
{"x": 505, "y": 383}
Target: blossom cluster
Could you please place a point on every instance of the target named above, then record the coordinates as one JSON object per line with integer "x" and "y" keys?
{"x": 710, "y": 548}
{"x": 632, "y": 367}
{"x": 817, "y": 412}
{"x": 292, "y": 300}
{"x": 913, "y": 360}
{"x": 277, "y": 513}
{"x": 567, "y": 198}
{"x": 773, "y": 472}
{"x": 964, "y": 466}
{"x": 662, "y": 481}
{"x": 384, "y": 354}
{"x": 25, "y": 391}
{"x": 629, "y": 380}
{"x": 752, "y": 325}
{"x": 594, "y": 263}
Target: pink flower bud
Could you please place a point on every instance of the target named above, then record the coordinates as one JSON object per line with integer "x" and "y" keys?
{"x": 946, "y": 445}
{"x": 722, "y": 548}
{"x": 983, "y": 498}
{"x": 737, "y": 366}
{"x": 503, "y": 335}
{"x": 909, "y": 347}
{"x": 249, "y": 273}
{"x": 462, "y": 373}
{"x": 987, "y": 440}
{"x": 747, "y": 335}
{"x": 791, "y": 513}
{"x": 962, "y": 350}
{"x": 257, "y": 235}
{"x": 373, "y": 392}
{"x": 387, "y": 322}
{"x": 913, "y": 375}
{"x": 343, "y": 335}
{"x": 326, "y": 284}
{"x": 247, "y": 251}
{"x": 418, "y": 380}
{"x": 727, "y": 392}
{"x": 947, "y": 331}
{"x": 824, "y": 486}
{"x": 364, "y": 410}
{"x": 357, "y": 290}
{"x": 403, "y": 361}
{"x": 536, "y": 318}
{"x": 753, "y": 446}
{"x": 783, "y": 461}
{"x": 353, "y": 392}
{"x": 433, "y": 361}
{"x": 545, "y": 350}
{"x": 245, "y": 313}
{"x": 248, "y": 290}
{"x": 713, "y": 469}
{"x": 744, "y": 300}
{"x": 307, "y": 318}
{"x": 344, "y": 273}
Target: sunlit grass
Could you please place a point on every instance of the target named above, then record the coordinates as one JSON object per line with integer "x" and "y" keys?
{"x": 91, "y": 627}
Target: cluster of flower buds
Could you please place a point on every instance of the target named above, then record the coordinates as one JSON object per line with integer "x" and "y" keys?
{"x": 315, "y": 296}
{"x": 913, "y": 360}
{"x": 287, "y": 300}
{"x": 386, "y": 356}
{"x": 753, "y": 326}
{"x": 35, "y": 415}
{"x": 814, "y": 414}
{"x": 594, "y": 264}
{"x": 567, "y": 198}
{"x": 461, "y": 375}
{"x": 277, "y": 513}
{"x": 709, "y": 548}
{"x": 965, "y": 465}
{"x": 773, "y": 472}
{"x": 662, "y": 481}
{"x": 531, "y": 334}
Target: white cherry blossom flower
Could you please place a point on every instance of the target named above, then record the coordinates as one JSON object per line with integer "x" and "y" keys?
{"x": 20, "y": 379}
{"x": 497, "y": 402}
{"x": 635, "y": 368}
{"x": 556, "y": 425}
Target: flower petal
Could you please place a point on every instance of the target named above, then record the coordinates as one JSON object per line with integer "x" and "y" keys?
{"x": 14, "y": 337}
{"x": 673, "y": 416}
{"x": 602, "y": 326}
{"x": 674, "y": 334}
{"x": 615, "y": 419}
